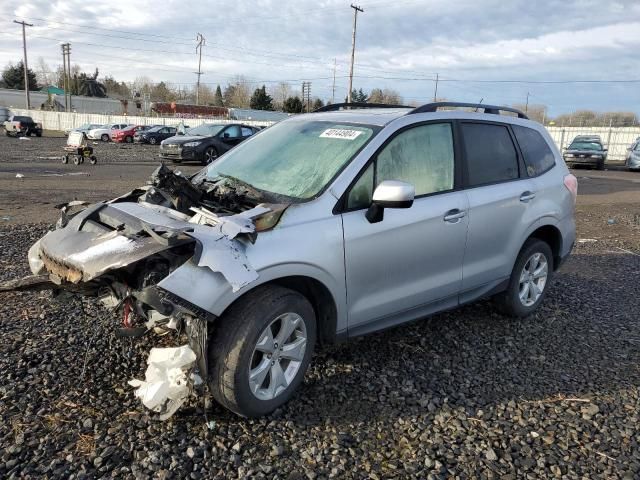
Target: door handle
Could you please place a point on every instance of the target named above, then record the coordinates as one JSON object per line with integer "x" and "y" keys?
{"x": 526, "y": 196}
{"x": 454, "y": 216}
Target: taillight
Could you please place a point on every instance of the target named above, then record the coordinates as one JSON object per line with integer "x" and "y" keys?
{"x": 571, "y": 183}
{"x": 19, "y": 126}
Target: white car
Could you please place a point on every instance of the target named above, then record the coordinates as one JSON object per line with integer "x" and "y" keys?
{"x": 104, "y": 132}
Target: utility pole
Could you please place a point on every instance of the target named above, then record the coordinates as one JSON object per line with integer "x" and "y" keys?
{"x": 69, "y": 74}
{"x": 435, "y": 92}
{"x": 356, "y": 9}
{"x": 201, "y": 42}
{"x": 333, "y": 91}
{"x": 24, "y": 64}
{"x": 306, "y": 95}
{"x": 64, "y": 74}
{"x": 526, "y": 105}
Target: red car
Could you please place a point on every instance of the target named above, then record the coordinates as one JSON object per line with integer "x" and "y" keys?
{"x": 126, "y": 134}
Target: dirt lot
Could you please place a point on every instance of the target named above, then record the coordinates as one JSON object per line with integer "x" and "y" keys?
{"x": 465, "y": 394}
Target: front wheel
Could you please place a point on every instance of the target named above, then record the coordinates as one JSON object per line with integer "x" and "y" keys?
{"x": 260, "y": 350}
{"x": 600, "y": 165}
{"x": 529, "y": 279}
{"x": 104, "y": 137}
{"x": 210, "y": 154}
{"x": 153, "y": 141}
{"x": 128, "y": 139}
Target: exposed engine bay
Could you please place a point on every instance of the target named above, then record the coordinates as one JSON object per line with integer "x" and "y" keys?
{"x": 120, "y": 251}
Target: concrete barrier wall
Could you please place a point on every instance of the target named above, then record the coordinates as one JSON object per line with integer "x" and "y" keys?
{"x": 616, "y": 139}
{"x": 62, "y": 121}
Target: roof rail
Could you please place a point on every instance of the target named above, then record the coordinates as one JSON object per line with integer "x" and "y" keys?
{"x": 493, "y": 109}
{"x": 337, "y": 106}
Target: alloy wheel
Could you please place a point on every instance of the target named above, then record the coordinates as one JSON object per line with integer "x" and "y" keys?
{"x": 533, "y": 279}
{"x": 210, "y": 155}
{"x": 277, "y": 356}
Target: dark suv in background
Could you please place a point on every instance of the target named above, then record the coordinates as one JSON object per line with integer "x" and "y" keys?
{"x": 205, "y": 143}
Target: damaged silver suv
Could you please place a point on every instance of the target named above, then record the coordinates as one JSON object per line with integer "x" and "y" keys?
{"x": 322, "y": 227}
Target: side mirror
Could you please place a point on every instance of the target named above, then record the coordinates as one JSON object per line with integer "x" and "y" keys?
{"x": 225, "y": 135}
{"x": 390, "y": 194}
{"x": 605, "y": 149}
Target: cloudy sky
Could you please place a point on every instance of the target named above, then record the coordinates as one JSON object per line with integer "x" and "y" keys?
{"x": 567, "y": 54}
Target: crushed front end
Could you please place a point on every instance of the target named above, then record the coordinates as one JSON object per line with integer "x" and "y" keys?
{"x": 119, "y": 251}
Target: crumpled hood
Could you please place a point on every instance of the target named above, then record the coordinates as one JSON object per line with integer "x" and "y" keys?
{"x": 105, "y": 237}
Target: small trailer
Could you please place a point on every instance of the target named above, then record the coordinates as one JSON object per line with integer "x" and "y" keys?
{"x": 77, "y": 148}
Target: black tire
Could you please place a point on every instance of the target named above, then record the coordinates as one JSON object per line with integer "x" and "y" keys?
{"x": 76, "y": 160}
{"x": 104, "y": 137}
{"x": 128, "y": 139}
{"x": 509, "y": 301}
{"x": 153, "y": 140}
{"x": 600, "y": 165}
{"x": 210, "y": 155}
{"x": 93, "y": 160}
{"x": 38, "y": 134}
{"x": 65, "y": 159}
{"x": 234, "y": 339}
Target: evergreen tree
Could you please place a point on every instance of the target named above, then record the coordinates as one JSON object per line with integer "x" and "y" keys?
{"x": 217, "y": 99}
{"x": 318, "y": 104}
{"x": 292, "y": 105}
{"x": 13, "y": 77}
{"x": 261, "y": 100}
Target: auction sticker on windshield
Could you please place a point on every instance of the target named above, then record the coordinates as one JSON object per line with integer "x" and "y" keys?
{"x": 343, "y": 133}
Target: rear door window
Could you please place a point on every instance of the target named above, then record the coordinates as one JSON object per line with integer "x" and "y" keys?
{"x": 538, "y": 157}
{"x": 490, "y": 153}
{"x": 247, "y": 132}
{"x": 233, "y": 131}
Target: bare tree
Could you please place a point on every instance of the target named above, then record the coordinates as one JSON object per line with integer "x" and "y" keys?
{"x": 44, "y": 75}
{"x": 387, "y": 96}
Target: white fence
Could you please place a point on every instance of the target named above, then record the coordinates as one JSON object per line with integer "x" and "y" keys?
{"x": 62, "y": 121}
{"x": 616, "y": 139}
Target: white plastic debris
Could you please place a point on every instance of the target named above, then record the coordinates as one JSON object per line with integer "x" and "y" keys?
{"x": 587, "y": 240}
{"x": 24, "y": 138}
{"x": 19, "y": 175}
{"x": 168, "y": 380}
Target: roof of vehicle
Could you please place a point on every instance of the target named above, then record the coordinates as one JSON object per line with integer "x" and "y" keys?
{"x": 381, "y": 115}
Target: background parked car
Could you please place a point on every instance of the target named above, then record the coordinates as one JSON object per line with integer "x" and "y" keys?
{"x": 83, "y": 128}
{"x": 104, "y": 132}
{"x": 126, "y": 134}
{"x": 633, "y": 156}
{"x": 20, "y": 125}
{"x": 205, "y": 143}
{"x": 586, "y": 150}
{"x": 154, "y": 134}
{"x": 4, "y": 114}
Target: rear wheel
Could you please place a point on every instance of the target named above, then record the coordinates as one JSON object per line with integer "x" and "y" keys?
{"x": 76, "y": 159}
{"x": 65, "y": 159}
{"x": 153, "y": 141}
{"x": 128, "y": 139}
{"x": 104, "y": 137}
{"x": 529, "y": 279}
{"x": 260, "y": 350}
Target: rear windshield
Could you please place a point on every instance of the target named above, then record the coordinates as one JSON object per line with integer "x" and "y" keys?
{"x": 22, "y": 119}
{"x": 296, "y": 159}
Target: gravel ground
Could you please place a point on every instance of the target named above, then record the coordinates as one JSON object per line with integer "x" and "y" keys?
{"x": 466, "y": 394}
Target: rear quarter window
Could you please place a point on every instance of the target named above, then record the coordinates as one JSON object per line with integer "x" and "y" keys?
{"x": 538, "y": 157}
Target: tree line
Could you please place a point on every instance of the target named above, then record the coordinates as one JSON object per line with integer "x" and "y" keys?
{"x": 237, "y": 94}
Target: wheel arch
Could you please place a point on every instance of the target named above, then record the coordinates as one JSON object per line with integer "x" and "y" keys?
{"x": 320, "y": 297}
{"x": 552, "y": 236}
